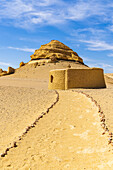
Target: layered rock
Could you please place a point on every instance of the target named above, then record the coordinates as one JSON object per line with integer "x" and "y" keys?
{"x": 56, "y": 50}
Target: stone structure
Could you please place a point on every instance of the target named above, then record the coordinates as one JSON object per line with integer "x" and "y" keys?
{"x": 55, "y": 50}
{"x": 76, "y": 78}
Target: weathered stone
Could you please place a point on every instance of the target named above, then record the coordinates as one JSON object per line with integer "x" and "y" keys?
{"x": 1, "y": 70}
{"x": 53, "y": 58}
{"x": 3, "y": 73}
{"x": 56, "y": 50}
{"x": 22, "y": 64}
{"x": 10, "y": 70}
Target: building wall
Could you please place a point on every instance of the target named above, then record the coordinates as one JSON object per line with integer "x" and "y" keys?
{"x": 76, "y": 78}
{"x": 57, "y": 79}
{"x": 87, "y": 78}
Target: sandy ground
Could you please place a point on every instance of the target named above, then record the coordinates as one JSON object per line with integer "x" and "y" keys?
{"x": 104, "y": 97}
{"x": 24, "y": 82}
{"x": 68, "y": 137}
{"x": 42, "y": 72}
{"x": 19, "y": 107}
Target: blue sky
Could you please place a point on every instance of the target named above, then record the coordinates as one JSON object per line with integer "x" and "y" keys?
{"x": 86, "y": 26}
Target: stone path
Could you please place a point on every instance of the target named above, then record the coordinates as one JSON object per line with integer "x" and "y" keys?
{"x": 68, "y": 137}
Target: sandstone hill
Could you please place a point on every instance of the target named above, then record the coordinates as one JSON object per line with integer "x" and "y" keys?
{"x": 41, "y": 70}
{"x": 54, "y": 55}
{"x": 56, "y": 50}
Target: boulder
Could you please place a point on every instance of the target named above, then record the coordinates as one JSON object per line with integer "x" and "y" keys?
{"x": 3, "y": 73}
{"x": 56, "y": 50}
{"x": 1, "y": 70}
{"x": 22, "y": 64}
{"x": 10, "y": 70}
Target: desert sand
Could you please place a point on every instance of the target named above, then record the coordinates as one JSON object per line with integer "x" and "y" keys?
{"x": 19, "y": 107}
{"x": 68, "y": 136}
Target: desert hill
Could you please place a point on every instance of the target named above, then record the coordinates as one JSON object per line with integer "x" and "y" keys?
{"x": 41, "y": 70}
{"x": 56, "y": 49}
{"x": 43, "y": 129}
{"x": 54, "y": 55}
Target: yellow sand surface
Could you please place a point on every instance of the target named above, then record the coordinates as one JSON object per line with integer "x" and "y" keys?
{"x": 42, "y": 72}
{"x": 68, "y": 137}
{"x": 104, "y": 97}
{"x": 19, "y": 107}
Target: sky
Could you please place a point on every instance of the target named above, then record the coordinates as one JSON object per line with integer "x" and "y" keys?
{"x": 86, "y": 26}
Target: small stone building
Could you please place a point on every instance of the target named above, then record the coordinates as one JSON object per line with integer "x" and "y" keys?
{"x": 76, "y": 78}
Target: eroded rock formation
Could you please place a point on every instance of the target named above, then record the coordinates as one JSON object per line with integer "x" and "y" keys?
{"x": 1, "y": 70}
{"x": 57, "y": 50}
{"x": 10, "y": 70}
{"x": 22, "y": 64}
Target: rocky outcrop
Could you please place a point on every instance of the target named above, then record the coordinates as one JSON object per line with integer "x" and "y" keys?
{"x": 1, "y": 70}
{"x": 22, "y": 64}
{"x": 3, "y": 73}
{"x": 56, "y": 50}
{"x": 10, "y": 70}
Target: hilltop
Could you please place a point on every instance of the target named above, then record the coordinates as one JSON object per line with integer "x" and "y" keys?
{"x": 57, "y": 50}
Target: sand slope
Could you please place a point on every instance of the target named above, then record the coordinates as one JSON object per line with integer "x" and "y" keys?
{"x": 42, "y": 72}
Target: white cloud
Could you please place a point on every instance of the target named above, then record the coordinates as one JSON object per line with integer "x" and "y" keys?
{"x": 96, "y": 45}
{"x": 4, "y": 64}
{"x": 84, "y": 9}
{"x": 14, "y": 9}
{"x": 110, "y": 55}
{"x": 88, "y": 32}
{"x": 106, "y": 67}
{"x": 48, "y": 2}
{"x": 93, "y": 31}
{"x": 23, "y": 49}
{"x": 25, "y": 14}
{"x": 111, "y": 28}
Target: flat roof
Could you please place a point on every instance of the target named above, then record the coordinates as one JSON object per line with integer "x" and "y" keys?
{"x": 93, "y": 68}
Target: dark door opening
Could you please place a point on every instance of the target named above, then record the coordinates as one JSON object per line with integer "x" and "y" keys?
{"x": 51, "y": 79}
